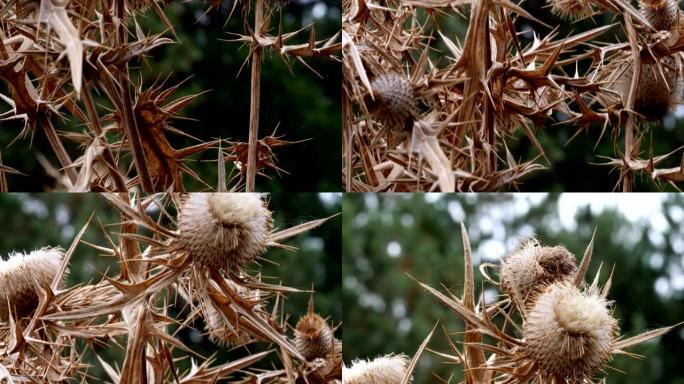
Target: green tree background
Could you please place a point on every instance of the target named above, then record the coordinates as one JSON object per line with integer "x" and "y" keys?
{"x": 35, "y": 220}
{"x": 298, "y": 102}
{"x": 388, "y": 237}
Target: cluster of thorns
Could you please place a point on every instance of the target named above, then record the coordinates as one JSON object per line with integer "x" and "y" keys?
{"x": 426, "y": 110}
{"x": 49, "y": 332}
{"x": 71, "y": 63}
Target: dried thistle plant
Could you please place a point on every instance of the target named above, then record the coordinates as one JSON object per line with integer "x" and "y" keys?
{"x": 563, "y": 331}
{"x": 77, "y": 61}
{"x": 48, "y": 333}
{"x": 476, "y": 92}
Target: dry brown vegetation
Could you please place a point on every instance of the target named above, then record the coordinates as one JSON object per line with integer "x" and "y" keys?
{"x": 45, "y": 339}
{"x": 59, "y": 57}
{"x": 425, "y": 110}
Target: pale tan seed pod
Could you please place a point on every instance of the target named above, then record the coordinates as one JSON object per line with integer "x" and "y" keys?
{"x": 532, "y": 266}
{"x": 21, "y": 275}
{"x": 224, "y": 230}
{"x": 220, "y": 329}
{"x": 657, "y": 91}
{"x": 569, "y": 334}
{"x": 314, "y": 337}
{"x": 388, "y": 369}
{"x": 571, "y": 9}
{"x": 222, "y": 332}
{"x": 659, "y": 86}
{"x": 395, "y": 99}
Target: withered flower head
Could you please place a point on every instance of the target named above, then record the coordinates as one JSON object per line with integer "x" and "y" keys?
{"x": 531, "y": 266}
{"x": 571, "y": 9}
{"x": 313, "y": 337}
{"x": 21, "y": 275}
{"x": 224, "y": 230}
{"x": 662, "y": 14}
{"x": 395, "y": 98}
{"x": 658, "y": 88}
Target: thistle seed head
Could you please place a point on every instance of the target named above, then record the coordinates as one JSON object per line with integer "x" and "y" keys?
{"x": 532, "y": 266}
{"x": 656, "y": 93}
{"x": 571, "y": 9}
{"x": 21, "y": 275}
{"x": 383, "y": 370}
{"x": 662, "y": 14}
{"x": 557, "y": 262}
{"x": 395, "y": 98}
{"x": 224, "y": 230}
{"x": 314, "y": 337}
{"x": 569, "y": 334}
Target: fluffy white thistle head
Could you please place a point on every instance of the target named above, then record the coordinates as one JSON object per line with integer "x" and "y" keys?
{"x": 21, "y": 275}
{"x": 568, "y": 333}
{"x": 224, "y": 230}
{"x": 388, "y": 369}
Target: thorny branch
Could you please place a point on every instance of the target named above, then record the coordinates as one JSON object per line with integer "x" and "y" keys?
{"x": 480, "y": 93}
{"x": 56, "y": 56}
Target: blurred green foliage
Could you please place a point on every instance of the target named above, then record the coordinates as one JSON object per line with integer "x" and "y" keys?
{"x": 296, "y": 101}
{"x": 387, "y": 239}
{"x": 36, "y": 220}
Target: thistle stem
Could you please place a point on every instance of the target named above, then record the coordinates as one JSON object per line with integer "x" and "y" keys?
{"x": 58, "y": 148}
{"x": 97, "y": 128}
{"x": 130, "y": 125}
{"x": 628, "y": 178}
{"x": 254, "y": 99}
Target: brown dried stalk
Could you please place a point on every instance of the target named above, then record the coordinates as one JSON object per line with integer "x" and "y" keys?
{"x": 254, "y": 99}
